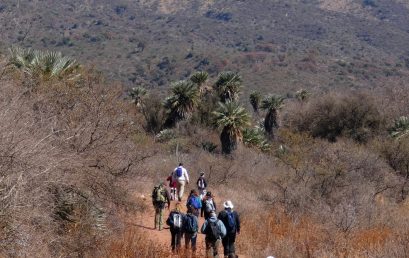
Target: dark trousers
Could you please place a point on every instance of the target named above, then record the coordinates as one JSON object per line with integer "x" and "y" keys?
{"x": 228, "y": 244}
{"x": 176, "y": 239}
{"x": 190, "y": 238}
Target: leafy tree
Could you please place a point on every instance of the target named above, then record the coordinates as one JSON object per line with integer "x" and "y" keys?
{"x": 231, "y": 118}
{"x": 43, "y": 64}
{"x": 228, "y": 86}
{"x": 137, "y": 95}
{"x": 255, "y": 99}
{"x": 271, "y": 104}
{"x": 302, "y": 95}
{"x": 181, "y": 103}
{"x": 199, "y": 78}
{"x": 401, "y": 127}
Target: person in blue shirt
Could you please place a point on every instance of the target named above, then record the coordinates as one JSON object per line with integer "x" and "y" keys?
{"x": 194, "y": 202}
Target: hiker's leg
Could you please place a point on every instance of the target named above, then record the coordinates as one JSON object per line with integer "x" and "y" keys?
{"x": 160, "y": 218}
{"x": 216, "y": 248}
{"x": 225, "y": 242}
{"x": 178, "y": 240}
{"x": 181, "y": 189}
{"x": 194, "y": 240}
{"x": 209, "y": 251}
{"x": 173, "y": 240}
{"x": 187, "y": 240}
{"x": 232, "y": 244}
{"x": 156, "y": 217}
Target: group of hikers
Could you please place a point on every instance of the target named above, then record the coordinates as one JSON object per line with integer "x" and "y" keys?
{"x": 220, "y": 228}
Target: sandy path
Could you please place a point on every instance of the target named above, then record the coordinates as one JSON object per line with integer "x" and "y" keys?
{"x": 146, "y": 222}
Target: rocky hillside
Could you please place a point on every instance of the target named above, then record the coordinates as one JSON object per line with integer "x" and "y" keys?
{"x": 276, "y": 45}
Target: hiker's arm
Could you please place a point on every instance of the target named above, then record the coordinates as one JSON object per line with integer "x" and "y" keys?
{"x": 205, "y": 183}
{"x": 222, "y": 228}
{"x": 168, "y": 198}
{"x": 186, "y": 176}
{"x": 238, "y": 223}
{"x": 203, "y": 230}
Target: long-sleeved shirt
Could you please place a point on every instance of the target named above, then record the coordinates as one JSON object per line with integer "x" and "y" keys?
{"x": 167, "y": 197}
{"x": 184, "y": 177}
{"x": 220, "y": 225}
{"x": 201, "y": 183}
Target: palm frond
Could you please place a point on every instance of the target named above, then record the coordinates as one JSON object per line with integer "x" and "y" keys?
{"x": 400, "y": 128}
{"x": 272, "y": 102}
{"x": 302, "y": 95}
{"x": 199, "y": 77}
{"x": 228, "y": 86}
{"x": 232, "y": 116}
{"x": 137, "y": 94}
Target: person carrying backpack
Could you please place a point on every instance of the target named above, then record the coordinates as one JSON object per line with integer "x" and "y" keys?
{"x": 176, "y": 222}
{"x": 194, "y": 202}
{"x": 172, "y": 186}
{"x": 201, "y": 185}
{"x": 160, "y": 196}
{"x": 231, "y": 221}
{"x": 190, "y": 229}
{"x": 208, "y": 205}
{"x": 182, "y": 178}
{"x": 214, "y": 230}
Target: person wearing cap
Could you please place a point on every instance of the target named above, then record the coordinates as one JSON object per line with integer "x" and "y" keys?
{"x": 182, "y": 178}
{"x": 214, "y": 230}
{"x": 201, "y": 185}
{"x": 160, "y": 196}
{"x": 208, "y": 205}
{"x": 231, "y": 221}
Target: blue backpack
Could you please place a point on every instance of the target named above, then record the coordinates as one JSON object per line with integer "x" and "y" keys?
{"x": 190, "y": 224}
{"x": 231, "y": 222}
{"x": 179, "y": 172}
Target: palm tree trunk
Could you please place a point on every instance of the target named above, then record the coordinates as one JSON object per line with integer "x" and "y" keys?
{"x": 270, "y": 122}
{"x": 229, "y": 142}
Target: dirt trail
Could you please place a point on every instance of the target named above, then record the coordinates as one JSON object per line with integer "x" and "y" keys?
{"x": 146, "y": 222}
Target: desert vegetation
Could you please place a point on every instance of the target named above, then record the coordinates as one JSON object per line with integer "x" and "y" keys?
{"x": 330, "y": 181}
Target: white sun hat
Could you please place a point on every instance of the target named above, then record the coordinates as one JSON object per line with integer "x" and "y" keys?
{"x": 228, "y": 204}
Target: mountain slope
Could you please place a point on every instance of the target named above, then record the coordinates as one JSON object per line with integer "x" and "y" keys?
{"x": 276, "y": 46}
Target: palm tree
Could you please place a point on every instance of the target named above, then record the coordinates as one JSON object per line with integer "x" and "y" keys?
{"x": 228, "y": 86}
{"x": 302, "y": 95}
{"x": 271, "y": 104}
{"x": 231, "y": 118}
{"x": 255, "y": 137}
{"x": 401, "y": 127}
{"x": 137, "y": 95}
{"x": 255, "y": 99}
{"x": 43, "y": 64}
{"x": 181, "y": 103}
{"x": 199, "y": 78}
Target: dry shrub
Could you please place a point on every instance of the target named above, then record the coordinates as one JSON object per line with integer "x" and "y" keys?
{"x": 67, "y": 149}
{"x": 134, "y": 243}
{"x": 352, "y": 115}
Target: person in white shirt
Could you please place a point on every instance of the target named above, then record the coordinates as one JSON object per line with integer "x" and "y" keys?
{"x": 182, "y": 178}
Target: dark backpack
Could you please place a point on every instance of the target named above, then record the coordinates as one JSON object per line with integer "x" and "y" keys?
{"x": 209, "y": 206}
{"x": 231, "y": 222}
{"x": 190, "y": 225}
{"x": 179, "y": 172}
{"x": 212, "y": 230}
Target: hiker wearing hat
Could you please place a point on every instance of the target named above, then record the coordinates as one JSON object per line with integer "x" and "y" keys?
{"x": 160, "y": 196}
{"x": 231, "y": 221}
{"x": 201, "y": 185}
{"x": 214, "y": 230}
{"x": 208, "y": 205}
{"x": 181, "y": 176}
{"x": 194, "y": 202}
{"x": 176, "y": 222}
